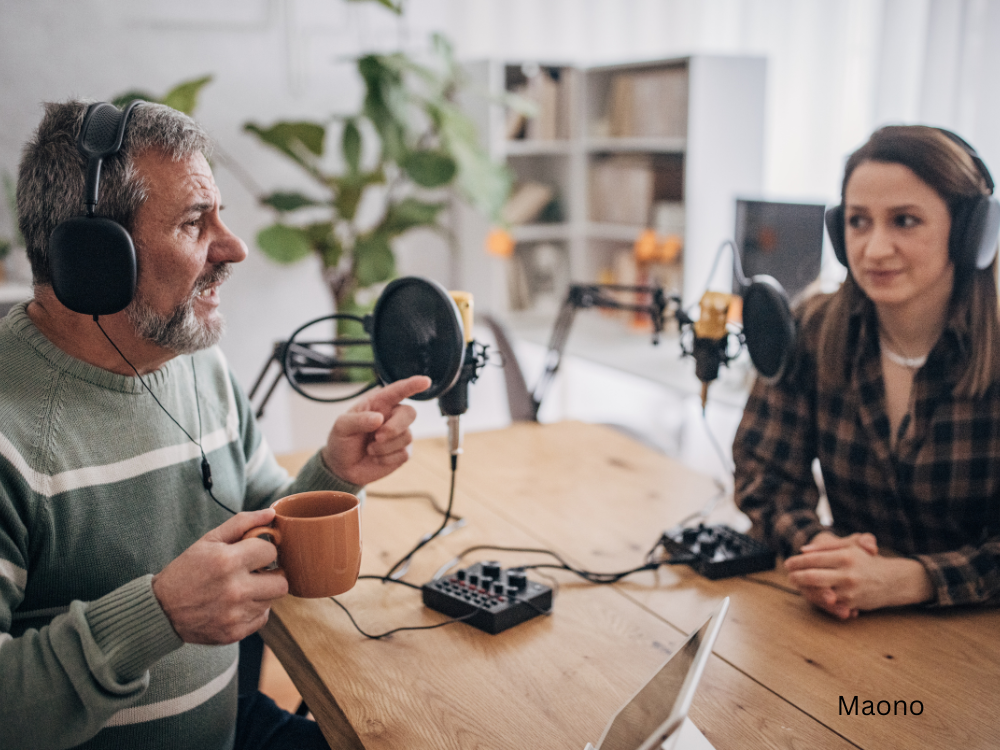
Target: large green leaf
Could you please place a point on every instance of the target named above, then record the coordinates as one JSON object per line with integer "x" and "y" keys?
{"x": 430, "y": 169}
{"x": 283, "y": 243}
{"x": 373, "y": 259}
{"x": 349, "y": 188}
{"x": 281, "y": 201}
{"x": 385, "y": 104}
{"x": 298, "y": 140}
{"x": 351, "y": 144}
{"x": 184, "y": 96}
{"x": 409, "y": 213}
{"x": 348, "y": 196}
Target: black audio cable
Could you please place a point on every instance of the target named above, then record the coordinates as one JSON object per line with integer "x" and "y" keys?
{"x": 206, "y": 469}
{"x": 402, "y": 565}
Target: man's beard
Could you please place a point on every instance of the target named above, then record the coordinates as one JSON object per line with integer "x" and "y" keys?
{"x": 181, "y": 331}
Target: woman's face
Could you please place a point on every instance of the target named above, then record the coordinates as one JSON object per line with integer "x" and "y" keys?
{"x": 896, "y": 232}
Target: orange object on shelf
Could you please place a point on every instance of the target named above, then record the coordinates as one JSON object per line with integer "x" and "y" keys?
{"x": 649, "y": 249}
{"x": 500, "y": 243}
{"x": 670, "y": 249}
{"x": 645, "y": 246}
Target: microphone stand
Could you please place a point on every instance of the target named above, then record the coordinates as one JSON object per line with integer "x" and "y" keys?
{"x": 585, "y": 296}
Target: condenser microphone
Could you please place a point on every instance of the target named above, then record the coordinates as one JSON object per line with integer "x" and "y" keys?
{"x": 711, "y": 339}
{"x": 768, "y": 329}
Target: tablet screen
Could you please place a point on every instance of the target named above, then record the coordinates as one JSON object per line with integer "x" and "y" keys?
{"x": 665, "y": 699}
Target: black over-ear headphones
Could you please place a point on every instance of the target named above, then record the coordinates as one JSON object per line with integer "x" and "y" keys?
{"x": 975, "y": 223}
{"x": 92, "y": 259}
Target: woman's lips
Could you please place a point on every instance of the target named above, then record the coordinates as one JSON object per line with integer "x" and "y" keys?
{"x": 882, "y": 276}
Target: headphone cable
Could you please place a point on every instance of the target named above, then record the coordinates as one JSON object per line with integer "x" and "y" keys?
{"x": 206, "y": 469}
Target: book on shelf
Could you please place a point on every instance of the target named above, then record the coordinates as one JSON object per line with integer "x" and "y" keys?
{"x": 621, "y": 189}
{"x": 549, "y": 89}
{"x": 527, "y": 202}
{"x": 649, "y": 103}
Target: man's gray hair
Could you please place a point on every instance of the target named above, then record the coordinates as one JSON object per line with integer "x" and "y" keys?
{"x": 50, "y": 181}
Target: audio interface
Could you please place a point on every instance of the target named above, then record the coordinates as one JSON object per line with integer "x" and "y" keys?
{"x": 499, "y": 599}
{"x": 718, "y": 551}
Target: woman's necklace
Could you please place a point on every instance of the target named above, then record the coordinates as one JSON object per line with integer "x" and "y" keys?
{"x": 910, "y": 363}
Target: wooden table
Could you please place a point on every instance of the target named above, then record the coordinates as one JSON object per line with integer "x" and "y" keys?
{"x": 601, "y": 500}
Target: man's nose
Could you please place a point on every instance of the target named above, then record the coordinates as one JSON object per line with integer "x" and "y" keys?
{"x": 226, "y": 247}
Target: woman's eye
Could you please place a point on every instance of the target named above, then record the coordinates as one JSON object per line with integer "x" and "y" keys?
{"x": 906, "y": 221}
{"x": 857, "y": 221}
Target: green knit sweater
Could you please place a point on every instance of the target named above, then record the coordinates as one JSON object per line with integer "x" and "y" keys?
{"x": 99, "y": 490}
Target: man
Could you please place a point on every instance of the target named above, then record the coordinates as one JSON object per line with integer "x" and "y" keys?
{"x": 124, "y": 583}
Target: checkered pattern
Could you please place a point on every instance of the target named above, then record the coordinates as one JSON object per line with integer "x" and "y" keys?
{"x": 936, "y": 497}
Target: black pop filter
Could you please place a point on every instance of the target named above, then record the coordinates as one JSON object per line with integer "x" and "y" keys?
{"x": 416, "y": 329}
{"x": 768, "y": 325}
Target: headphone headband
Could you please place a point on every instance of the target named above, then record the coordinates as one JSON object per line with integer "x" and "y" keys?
{"x": 973, "y": 154}
{"x": 101, "y": 136}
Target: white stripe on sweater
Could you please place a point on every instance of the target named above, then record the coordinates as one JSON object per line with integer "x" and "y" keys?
{"x": 89, "y": 476}
{"x": 174, "y": 706}
{"x": 16, "y": 575}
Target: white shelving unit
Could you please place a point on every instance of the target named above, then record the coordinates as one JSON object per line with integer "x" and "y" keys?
{"x": 711, "y": 150}
{"x": 694, "y": 131}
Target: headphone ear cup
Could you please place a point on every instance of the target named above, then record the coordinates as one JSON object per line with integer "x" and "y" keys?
{"x": 92, "y": 265}
{"x": 835, "y": 229}
{"x": 980, "y": 237}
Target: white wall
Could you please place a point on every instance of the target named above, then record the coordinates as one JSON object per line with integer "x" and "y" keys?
{"x": 836, "y": 69}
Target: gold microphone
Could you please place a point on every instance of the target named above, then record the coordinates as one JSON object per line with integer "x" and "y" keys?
{"x": 710, "y": 339}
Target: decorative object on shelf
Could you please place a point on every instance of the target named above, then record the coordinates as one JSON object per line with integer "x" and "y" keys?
{"x": 499, "y": 243}
{"x": 527, "y": 203}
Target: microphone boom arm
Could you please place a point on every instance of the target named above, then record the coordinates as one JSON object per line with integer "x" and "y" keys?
{"x": 585, "y": 296}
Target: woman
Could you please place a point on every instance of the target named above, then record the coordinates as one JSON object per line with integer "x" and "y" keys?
{"x": 894, "y": 386}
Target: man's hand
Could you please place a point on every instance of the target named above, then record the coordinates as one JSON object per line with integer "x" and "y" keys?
{"x": 210, "y": 592}
{"x": 370, "y": 441}
{"x": 845, "y": 575}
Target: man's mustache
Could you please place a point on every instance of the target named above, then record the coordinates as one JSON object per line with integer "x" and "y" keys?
{"x": 216, "y": 275}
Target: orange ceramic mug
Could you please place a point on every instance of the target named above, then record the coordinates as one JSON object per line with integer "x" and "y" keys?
{"x": 318, "y": 536}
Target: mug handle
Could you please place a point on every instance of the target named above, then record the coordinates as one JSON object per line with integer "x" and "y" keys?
{"x": 262, "y": 531}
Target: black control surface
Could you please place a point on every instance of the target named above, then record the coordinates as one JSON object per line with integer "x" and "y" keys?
{"x": 718, "y": 551}
{"x": 500, "y": 598}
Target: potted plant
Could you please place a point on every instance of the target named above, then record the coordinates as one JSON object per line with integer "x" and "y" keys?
{"x": 408, "y": 150}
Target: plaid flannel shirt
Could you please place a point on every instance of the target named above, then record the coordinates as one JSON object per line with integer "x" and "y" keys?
{"x": 935, "y": 497}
